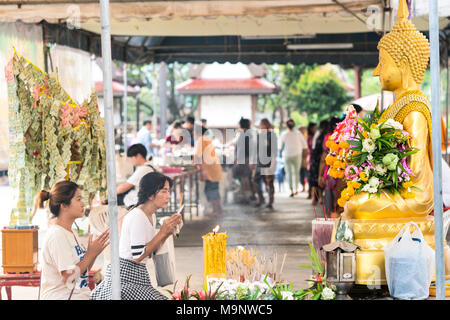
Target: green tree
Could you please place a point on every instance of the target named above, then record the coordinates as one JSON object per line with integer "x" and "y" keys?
{"x": 284, "y": 77}
{"x": 320, "y": 93}
{"x": 146, "y": 77}
{"x": 369, "y": 83}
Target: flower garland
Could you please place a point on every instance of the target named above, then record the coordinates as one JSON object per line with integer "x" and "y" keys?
{"x": 61, "y": 140}
{"x": 371, "y": 155}
{"x": 338, "y": 145}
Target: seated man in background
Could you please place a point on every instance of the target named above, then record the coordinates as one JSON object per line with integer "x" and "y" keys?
{"x": 127, "y": 191}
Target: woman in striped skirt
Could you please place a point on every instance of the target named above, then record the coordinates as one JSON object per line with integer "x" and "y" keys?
{"x": 139, "y": 240}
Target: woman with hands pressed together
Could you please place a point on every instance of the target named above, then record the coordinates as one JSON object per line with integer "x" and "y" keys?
{"x": 139, "y": 241}
{"x": 66, "y": 262}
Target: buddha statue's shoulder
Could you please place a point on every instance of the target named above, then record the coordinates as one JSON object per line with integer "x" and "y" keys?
{"x": 405, "y": 104}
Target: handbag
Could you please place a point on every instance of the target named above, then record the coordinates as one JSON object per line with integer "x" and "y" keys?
{"x": 164, "y": 261}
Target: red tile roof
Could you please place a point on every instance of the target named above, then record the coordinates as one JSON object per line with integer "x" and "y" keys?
{"x": 230, "y": 86}
{"x": 118, "y": 88}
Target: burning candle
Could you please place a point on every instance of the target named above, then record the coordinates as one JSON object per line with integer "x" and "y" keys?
{"x": 214, "y": 250}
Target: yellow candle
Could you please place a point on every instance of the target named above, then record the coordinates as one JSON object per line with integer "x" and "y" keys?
{"x": 214, "y": 251}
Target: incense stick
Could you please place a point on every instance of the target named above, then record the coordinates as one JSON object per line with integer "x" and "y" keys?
{"x": 181, "y": 199}
{"x": 282, "y": 264}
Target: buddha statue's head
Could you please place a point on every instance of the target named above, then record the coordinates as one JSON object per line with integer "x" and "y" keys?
{"x": 403, "y": 54}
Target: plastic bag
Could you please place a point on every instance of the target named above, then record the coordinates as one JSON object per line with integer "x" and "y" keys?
{"x": 410, "y": 264}
{"x": 164, "y": 261}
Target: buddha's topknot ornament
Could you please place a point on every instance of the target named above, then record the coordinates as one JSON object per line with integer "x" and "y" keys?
{"x": 405, "y": 41}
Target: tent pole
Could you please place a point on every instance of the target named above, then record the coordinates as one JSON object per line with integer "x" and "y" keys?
{"x": 446, "y": 109}
{"x": 383, "y": 33}
{"x": 110, "y": 147}
{"x": 125, "y": 108}
{"x": 163, "y": 98}
{"x": 437, "y": 153}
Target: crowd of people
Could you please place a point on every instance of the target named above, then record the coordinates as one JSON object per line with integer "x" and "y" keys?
{"x": 262, "y": 157}
{"x": 298, "y": 156}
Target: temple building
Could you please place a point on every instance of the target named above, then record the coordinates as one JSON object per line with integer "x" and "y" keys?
{"x": 226, "y": 92}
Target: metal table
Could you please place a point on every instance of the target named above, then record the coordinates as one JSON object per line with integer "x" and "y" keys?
{"x": 186, "y": 184}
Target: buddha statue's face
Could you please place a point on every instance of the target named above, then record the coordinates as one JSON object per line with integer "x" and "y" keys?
{"x": 389, "y": 73}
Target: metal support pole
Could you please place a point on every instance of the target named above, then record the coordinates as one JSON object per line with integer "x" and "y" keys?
{"x": 138, "y": 111}
{"x": 125, "y": 108}
{"x": 446, "y": 107}
{"x": 437, "y": 153}
{"x": 110, "y": 149}
{"x": 383, "y": 33}
{"x": 163, "y": 99}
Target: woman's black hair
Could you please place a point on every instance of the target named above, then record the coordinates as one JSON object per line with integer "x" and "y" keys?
{"x": 244, "y": 123}
{"x": 150, "y": 184}
{"x": 357, "y": 107}
{"x": 62, "y": 192}
{"x": 311, "y": 125}
{"x": 332, "y": 124}
{"x": 324, "y": 124}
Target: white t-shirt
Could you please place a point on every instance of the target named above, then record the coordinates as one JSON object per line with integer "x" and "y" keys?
{"x": 294, "y": 142}
{"x": 62, "y": 252}
{"x": 136, "y": 232}
{"x": 132, "y": 197}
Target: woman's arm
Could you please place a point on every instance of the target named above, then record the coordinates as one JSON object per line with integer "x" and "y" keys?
{"x": 166, "y": 230}
{"x": 95, "y": 247}
{"x": 152, "y": 246}
{"x": 85, "y": 264}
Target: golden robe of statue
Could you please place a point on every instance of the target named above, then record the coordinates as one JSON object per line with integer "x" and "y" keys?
{"x": 403, "y": 60}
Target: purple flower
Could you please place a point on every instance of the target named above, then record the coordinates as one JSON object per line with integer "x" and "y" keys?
{"x": 406, "y": 167}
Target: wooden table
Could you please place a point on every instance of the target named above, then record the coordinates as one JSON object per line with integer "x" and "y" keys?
{"x": 29, "y": 280}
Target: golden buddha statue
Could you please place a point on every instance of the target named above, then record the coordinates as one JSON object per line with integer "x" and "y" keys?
{"x": 403, "y": 60}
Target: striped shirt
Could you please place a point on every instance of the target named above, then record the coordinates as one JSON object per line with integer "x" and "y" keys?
{"x": 136, "y": 232}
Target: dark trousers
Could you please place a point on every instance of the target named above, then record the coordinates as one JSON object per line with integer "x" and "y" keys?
{"x": 303, "y": 175}
{"x": 268, "y": 181}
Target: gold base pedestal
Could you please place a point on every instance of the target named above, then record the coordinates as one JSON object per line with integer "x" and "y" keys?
{"x": 372, "y": 236}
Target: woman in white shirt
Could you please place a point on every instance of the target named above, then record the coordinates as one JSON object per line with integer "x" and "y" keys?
{"x": 293, "y": 143}
{"x": 139, "y": 241}
{"x": 66, "y": 262}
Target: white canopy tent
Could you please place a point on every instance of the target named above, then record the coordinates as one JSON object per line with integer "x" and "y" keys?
{"x": 230, "y": 17}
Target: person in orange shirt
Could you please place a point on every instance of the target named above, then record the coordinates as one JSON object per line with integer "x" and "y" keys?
{"x": 210, "y": 170}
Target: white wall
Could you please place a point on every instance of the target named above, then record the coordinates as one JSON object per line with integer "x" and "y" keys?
{"x": 74, "y": 71}
{"x": 225, "y": 111}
